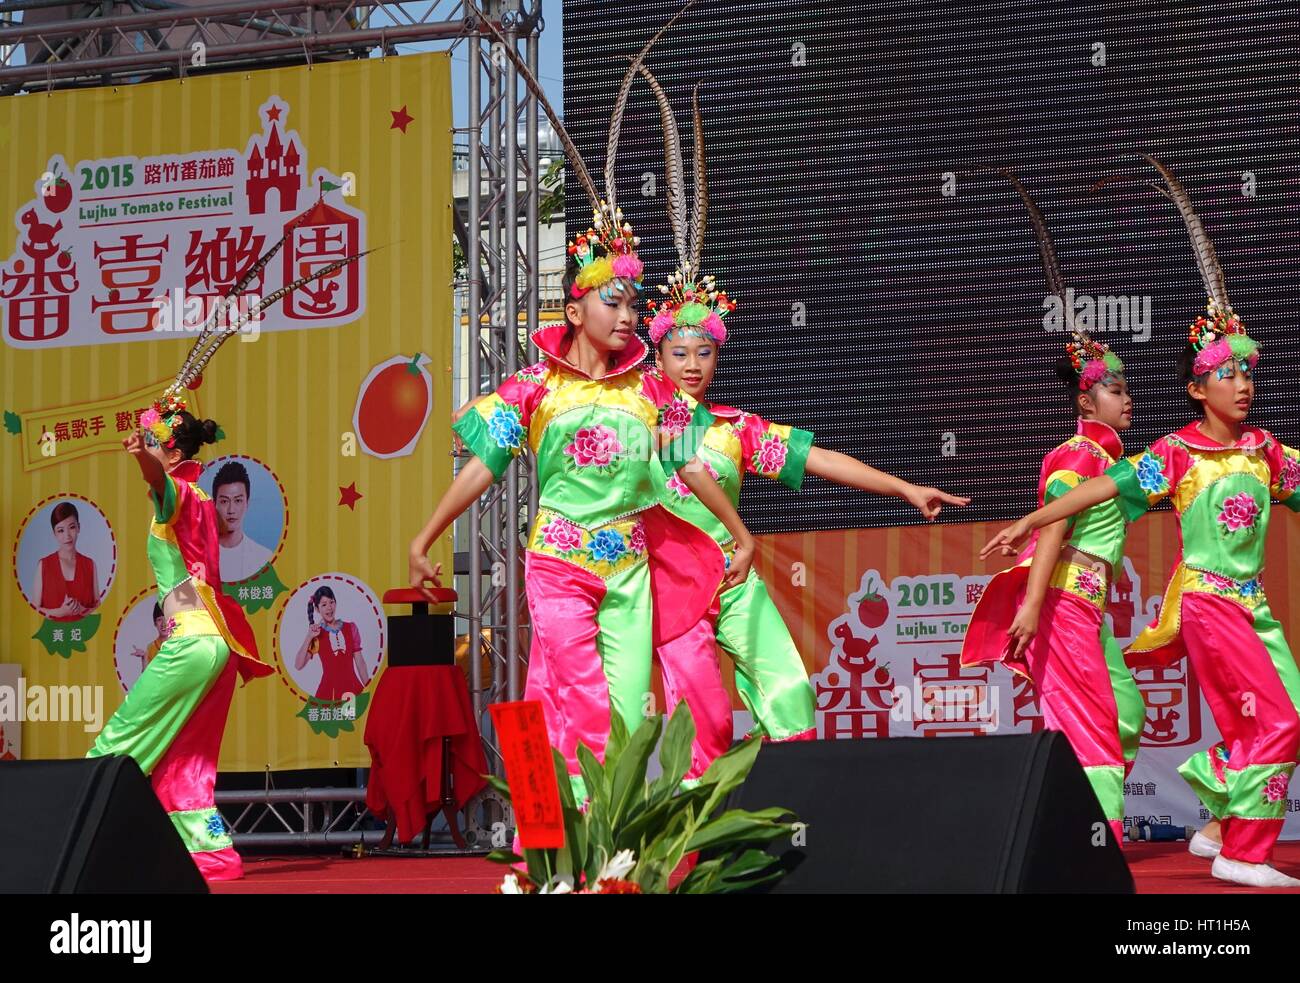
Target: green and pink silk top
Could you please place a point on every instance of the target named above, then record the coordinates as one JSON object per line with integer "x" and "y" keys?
{"x": 599, "y": 454}
{"x": 1221, "y": 497}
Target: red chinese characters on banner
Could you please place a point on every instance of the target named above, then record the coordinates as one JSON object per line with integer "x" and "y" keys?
{"x": 1024, "y": 703}
{"x": 37, "y": 289}
{"x": 130, "y": 270}
{"x": 854, "y": 700}
{"x": 1173, "y": 705}
{"x": 955, "y": 701}
{"x": 323, "y": 236}
{"x": 216, "y": 260}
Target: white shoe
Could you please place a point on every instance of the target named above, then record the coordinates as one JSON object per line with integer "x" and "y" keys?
{"x": 1252, "y": 875}
{"x": 1201, "y": 845}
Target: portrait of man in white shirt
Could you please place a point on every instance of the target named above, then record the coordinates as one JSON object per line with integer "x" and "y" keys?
{"x": 241, "y": 555}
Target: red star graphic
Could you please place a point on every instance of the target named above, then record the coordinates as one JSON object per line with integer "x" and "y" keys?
{"x": 273, "y": 114}
{"x": 400, "y": 119}
{"x": 349, "y": 496}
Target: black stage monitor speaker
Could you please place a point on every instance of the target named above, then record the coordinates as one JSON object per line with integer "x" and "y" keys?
{"x": 1012, "y": 814}
{"x": 90, "y": 826}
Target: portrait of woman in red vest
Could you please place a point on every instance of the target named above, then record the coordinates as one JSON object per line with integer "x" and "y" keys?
{"x": 67, "y": 584}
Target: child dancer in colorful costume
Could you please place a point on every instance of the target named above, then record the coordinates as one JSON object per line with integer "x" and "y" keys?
{"x": 687, "y": 328}
{"x": 1045, "y": 617}
{"x": 1219, "y": 474}
{"x": 589, "y": 411}
{"x": 173, "y": 718}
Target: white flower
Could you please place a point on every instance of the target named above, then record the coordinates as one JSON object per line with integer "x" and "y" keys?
{"x": 561, "y": 886}
{"x": 510, "y": 885}
{"x": 618, "y": 866}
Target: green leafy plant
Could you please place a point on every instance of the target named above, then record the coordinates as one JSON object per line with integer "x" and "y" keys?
{"x": 552, "y": 192}
{"x": 633, "y": 833}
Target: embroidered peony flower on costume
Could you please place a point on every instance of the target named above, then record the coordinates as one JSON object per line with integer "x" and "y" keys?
{"x": 1239, "y": 512}
{"x": 675, "y": 417}
{"x": 607, "y": 546}
{"x": 504, "y": 427}
{"x": 595, "y": 446}
{"x": 1219, "y": 582}
{"x": 1089, "y": 584}
{"x": 636, "y": 541}
{"x": 1275, "y": 790}
{"x": 562, "y": 535}
{"x": 532, "y": 373}
{"x": 769, "y": 459}
{"x": 216, "y": 825}
{"x": 1151, "y": 474}
{"x": 1290, "y": 477}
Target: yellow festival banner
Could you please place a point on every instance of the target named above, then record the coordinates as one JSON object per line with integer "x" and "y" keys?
{"x": 132, "y": 211}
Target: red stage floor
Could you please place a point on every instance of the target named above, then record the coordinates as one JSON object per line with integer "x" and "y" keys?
{"x": 1158, "y": 868}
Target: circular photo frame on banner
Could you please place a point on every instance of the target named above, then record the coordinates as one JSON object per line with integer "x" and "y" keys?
{"x": 252, "y": 514}
{"x": 139, "y": 634}
{"x": 64, "y": 534}
{"x": 330, "y": 638}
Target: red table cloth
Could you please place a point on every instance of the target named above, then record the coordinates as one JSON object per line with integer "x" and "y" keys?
{"x": 413, "y": 709}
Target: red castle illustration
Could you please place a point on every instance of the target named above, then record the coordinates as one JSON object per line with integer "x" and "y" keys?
{"x": 276, "y": 169}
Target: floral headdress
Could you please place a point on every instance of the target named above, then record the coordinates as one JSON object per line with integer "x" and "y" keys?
{"x": 606, "y": 252}
{"x": 162, "y": 419}
{"x": 1219, "y": 335}
{"x": 692, "y": 304}
{"x": 1092, "y": 360}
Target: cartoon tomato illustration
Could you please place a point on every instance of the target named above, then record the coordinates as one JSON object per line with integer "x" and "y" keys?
{"x": 873, "y": 609}
{"x": 58, "y": 195}
{"x": 393, "y": 406}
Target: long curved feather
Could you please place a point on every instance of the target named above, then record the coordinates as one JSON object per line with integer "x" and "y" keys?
{"x": 620, "y": 104}
{"x": 700, "y": 216}
{"x": 570, "y": 149}
{"x": 1052, "y": 269}
{"x": 236, "y": 289}
{"x": 206, "y": 348}
{"x": 674, "y": 170}
{"x": 1045, "y": 247}
{"x": 1206, "y": 260}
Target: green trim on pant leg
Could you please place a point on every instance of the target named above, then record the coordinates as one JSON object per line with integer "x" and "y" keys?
{"x": 626, "y": 645}
{"x": 202, "y": 830}
{"x": 1198, "y": 772}
{"x": 579, "y": 789}
{"x": 1270, "y": 633}
{"x": 1259, "y": 791}
{"x": 770, "y": 675}
{"x": 163, "y": 699}
{"x": 1108, "y": 785}
{"x": 1128, "y": 698}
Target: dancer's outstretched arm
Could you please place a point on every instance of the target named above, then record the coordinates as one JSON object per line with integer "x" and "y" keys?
{"x": 474, "y": 479}
{"x": 1092, "y": 492}
{"x": 711, "y": 495}
{"x": 845, "y": 470}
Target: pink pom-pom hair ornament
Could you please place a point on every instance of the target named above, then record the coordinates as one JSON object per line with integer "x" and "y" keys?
{"x": 606, "y": 252}
{"x": 1219, "y": 335}
{"x": 1092, "y": 360}
{"x": 691, "y": 305}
